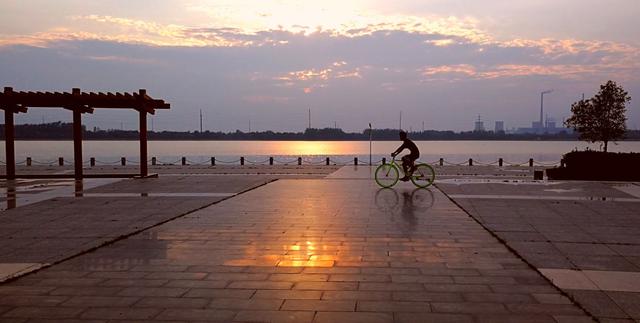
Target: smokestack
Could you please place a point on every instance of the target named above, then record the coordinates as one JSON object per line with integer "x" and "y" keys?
{"x": 542, "y": 106}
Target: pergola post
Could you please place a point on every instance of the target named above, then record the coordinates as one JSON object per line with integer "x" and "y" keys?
{"x": 77, "y": 139}
{"x": 144, "y": 172}
{"x": 9, "y": 138}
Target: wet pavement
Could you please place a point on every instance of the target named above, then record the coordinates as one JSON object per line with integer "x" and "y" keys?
{"x": 298, "y": 250}
{"x": 583, "y": 236}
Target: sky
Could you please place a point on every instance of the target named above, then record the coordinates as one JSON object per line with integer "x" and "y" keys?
{"x": 261, "y": 65}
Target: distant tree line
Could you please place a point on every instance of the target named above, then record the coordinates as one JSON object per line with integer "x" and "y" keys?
{"x": 63, "y": 131}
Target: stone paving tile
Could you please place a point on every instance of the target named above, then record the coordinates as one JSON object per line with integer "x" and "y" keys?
{"x": 466, "y": 307}
{"x": 301, "y": 277}
{"x": 353, "y": 317}
{"x": 85, "y": 291}
{"x": 318, "y": 305}
{"x": 153, "y": 291}
{"x": 217, "y": 293}
{"x": 253, "y": 304}
{"x": 572, "y": 319}
{"x": 563, "y": 236}
{"x": 172, "y": 302}
{"x": 411, "y": 263}
{"x": 516, "y": 318}
{"x": 599, "y": 303}
{"x": 210, "y": 315}
{"x": 32, "y": 300}
{"x": 36, "y": 312}
{"x": 357, "y": 295}
{"x": 391, "y": 306}
{"x": 433, "y": 318}
{"x": 274, "y": 316}
{"x": 99, "y": 301}
{"x": 288, "y": 294}
{"x": 120, "y": 313}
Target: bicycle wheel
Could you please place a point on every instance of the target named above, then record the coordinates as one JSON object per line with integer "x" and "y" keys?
{"x": 423, "y": 176}
{"x": 387, "y": 175}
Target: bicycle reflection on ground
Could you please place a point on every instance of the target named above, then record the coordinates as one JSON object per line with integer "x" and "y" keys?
{"x": 409, "y": 205}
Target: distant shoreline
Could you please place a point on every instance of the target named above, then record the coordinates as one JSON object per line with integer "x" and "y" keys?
{"x": 59, "y": 131}
{"x": 337, "y": 140}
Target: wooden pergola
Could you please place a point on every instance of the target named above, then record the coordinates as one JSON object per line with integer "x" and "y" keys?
{"x": 78, "y": 102}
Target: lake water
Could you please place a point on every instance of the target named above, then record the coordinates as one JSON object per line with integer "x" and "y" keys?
{"x": 311, "y": 151}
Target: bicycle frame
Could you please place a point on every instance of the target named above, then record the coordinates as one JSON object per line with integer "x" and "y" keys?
{"x": 396, "y": 165}
{"x": 430, "y": 176}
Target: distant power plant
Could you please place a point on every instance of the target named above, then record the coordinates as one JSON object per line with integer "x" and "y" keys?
{"x": 543, "y": 125}
{"x": 479, "y": 126}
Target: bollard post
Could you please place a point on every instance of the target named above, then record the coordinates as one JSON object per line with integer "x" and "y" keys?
{"x": 384, "y": 160}
{"x": 299, "y": 161}
{"x": 28, "y": 161}
{"x": 92, "y": 161}
{"x": 270, "y": 160}
{"x": 500, "y": 162}
{"x": 242, "y": 161}
{"x": 184, "y": 161}
{"x": 538, "y": 175}
{"x": 213, "y": 161}
{"x": 470, "y": 162}
{"x": 530, "y": 162}
{"x": 123, "y": 161}
{"x": 441, "y": 161}
{"x": 327, "y": 161}
{"x": 154, "y": 161}
{"x": 60, "y": 161}
{"x": 355, "y": 161}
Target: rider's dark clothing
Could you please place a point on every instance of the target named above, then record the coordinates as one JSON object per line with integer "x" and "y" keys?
{"x": 414, "y": 153}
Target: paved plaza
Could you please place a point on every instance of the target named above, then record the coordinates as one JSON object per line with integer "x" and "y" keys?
{"x": 583, "y": 236}
{"x": 322, "y": 246}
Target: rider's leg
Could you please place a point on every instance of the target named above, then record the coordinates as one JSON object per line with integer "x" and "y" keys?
{"x": 405, "y": 168}
{"x": 413, "y": 164}
{"x": 406, "y": 162}
{"x": 411, "y": 167}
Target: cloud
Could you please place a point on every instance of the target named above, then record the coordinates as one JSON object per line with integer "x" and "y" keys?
{"x": 439, "y": 66}
{"x": 128, "y": 30}
{"x": 260, "y": 99}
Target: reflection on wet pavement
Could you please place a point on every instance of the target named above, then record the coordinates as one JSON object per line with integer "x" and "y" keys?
{"x": 24, "y": 192}
{"x": 299, "y": 251}
{"x": 405, "y": 204}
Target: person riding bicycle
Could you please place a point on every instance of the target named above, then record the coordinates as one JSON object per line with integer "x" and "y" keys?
{"x": 407, "y": 160}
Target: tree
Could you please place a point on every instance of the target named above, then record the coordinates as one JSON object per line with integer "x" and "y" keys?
{"x": 601, "y": 118}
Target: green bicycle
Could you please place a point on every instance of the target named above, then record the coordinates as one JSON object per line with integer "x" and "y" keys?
{"x": 387, "y": 175}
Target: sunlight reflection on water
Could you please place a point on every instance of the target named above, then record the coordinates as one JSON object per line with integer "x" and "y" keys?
{"x": 430, "y": 150}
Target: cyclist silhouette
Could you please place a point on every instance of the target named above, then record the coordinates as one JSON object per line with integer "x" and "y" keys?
{"x": 407, "y": 160}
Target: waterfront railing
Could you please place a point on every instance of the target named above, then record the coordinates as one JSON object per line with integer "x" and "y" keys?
{"x": 300, "y": 161}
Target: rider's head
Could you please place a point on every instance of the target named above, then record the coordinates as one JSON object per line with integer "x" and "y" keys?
{"x": 403, "y": 135}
